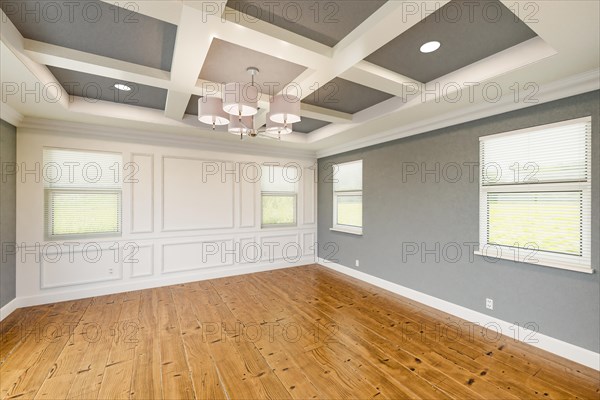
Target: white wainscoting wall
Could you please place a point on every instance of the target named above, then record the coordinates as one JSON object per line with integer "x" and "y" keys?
{"x": 177, "y": 225}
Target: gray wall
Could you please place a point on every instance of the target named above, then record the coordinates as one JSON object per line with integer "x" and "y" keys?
{"x": 8, "y": 212}
{"x": 397, "y": 210}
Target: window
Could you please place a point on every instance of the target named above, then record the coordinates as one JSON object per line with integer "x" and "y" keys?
{"x": 82, "y": 193}
{"x": 347, "y": 197}
{"x": 535, "y": 195}
{"x": 279, "y": 194}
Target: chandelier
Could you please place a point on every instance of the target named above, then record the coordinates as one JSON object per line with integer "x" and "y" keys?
{"x": 239, "y": 105}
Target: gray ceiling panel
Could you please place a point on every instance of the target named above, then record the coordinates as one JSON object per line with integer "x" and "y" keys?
{"x": 326, "y": 22}
{"x": 307, "y": 125}
{"x": 192, "y": 107}
{"x": 468, "y": 32}
{"x": 227, "y": 62}
{"x": 345, "y": 96}
{"x": 96, "y": 27}
{"x": 94, "y": 88}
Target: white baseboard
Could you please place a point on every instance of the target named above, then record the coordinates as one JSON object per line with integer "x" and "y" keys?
{"x": 9, "y": 308}
{"x": 558, "y": 347}
{"x": 200, "y": 275}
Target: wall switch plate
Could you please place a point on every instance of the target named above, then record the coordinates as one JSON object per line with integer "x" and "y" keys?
{"x": 489, "y": 304}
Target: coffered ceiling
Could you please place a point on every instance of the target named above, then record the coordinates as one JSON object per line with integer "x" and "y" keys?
{"x": 356, "y": 64}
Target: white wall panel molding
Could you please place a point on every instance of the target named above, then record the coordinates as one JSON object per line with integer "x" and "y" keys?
{"x": 166, "y": 280}
{"x": 181, "y": 257}
{"x": 248, "y": 251}
{"x": 83, "y": 264}
{"x": 140, "y": 174}
{"x": 281, "y": 247}
{"x": 165, "y": 257}
{"x": 140, "y": 260}
{"x": 309, "y": 243}
{"x": 194, "y": 196}
{"x": 248, "y": 189}
{"x": 309, "y": 180}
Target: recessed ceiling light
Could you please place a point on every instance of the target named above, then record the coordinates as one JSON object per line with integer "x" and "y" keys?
{"x": 122, "y": 87}
{"x": 430, "y": 47}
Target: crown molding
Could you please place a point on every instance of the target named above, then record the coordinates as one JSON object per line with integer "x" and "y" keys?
{"x": 10, "y": 115}
{"x": 574, "y": 85}
{"x": 105, "y": 132}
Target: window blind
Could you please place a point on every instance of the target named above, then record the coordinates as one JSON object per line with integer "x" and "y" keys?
{"x": 82, "y": 193}
{"x": 555, "y": 154}
{"x": 279, "y": 179}
{"x": 279, "y": 195}
{"x": 68, "y": 169}
{"x": 347, "y": 176}
{"x": 535, "y": 192}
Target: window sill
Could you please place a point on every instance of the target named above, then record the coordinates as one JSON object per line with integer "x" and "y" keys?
{"x": 355, "y": 231}
{"x": 541, "y": 262}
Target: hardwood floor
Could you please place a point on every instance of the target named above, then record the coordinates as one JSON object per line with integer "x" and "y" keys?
{"x": 303, "y": 332}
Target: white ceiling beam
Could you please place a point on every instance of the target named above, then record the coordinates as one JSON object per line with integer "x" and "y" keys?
{"x": 257, "y": 35}
{"x": 471, "y": 80}
{"x": 176, "y": 104}
{"x": 191, "y": 48}
{"x": 389, "y": 21}
{"x": 62, "y": 57}
{"x": 324, "y": 114}
{"x": 384, "y": 80}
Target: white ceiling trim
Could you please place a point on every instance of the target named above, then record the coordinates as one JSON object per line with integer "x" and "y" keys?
{"x": 10, "y": 115}
{"x": 107, "y": 132}
{"x": 582, "y": 83}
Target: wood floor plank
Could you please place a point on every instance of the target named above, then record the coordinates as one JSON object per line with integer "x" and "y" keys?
{"x": 478, "y": 346}
{"x": 258, "y": 331}
{"x": 199, "y": 340}
{"x": 176, "y": 382}
{"x": 116, "y": 380}
{"x": 449, "y": 378}
{"x": 146, "y": 382}
{"x": 17, "y": 326}
{"x": 203, "y": 370}
{"x": 364, "y": 353}
{"x": 98, "y": 327}
{"x": 249, "y": 372}
{"x": 36, "y": 355}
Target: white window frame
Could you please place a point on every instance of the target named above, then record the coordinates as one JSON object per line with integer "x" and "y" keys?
{"x": 278, "y": 193}
{"x": 48, "y": 208}
{"x": 545, "y": 258}
{"x": 352, "y": 229}
{"x": 293, "y": 195}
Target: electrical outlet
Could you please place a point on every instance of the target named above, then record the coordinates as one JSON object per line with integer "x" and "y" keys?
{"x": 489, "y": 304}
{"x": 110, "y": 271}
{"x": 356, "y": 263}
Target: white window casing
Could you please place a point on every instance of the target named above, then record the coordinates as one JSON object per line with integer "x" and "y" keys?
{"x": 535, "y": 195}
